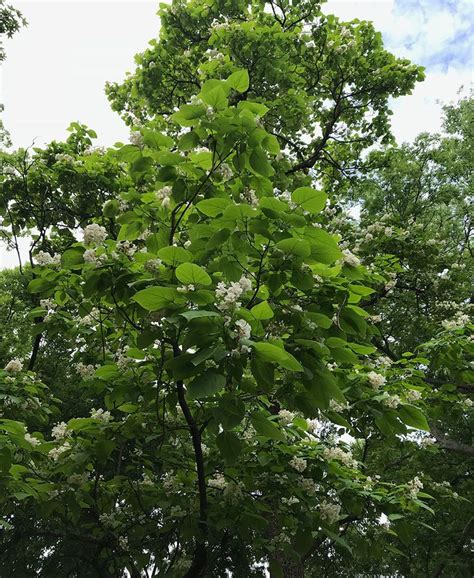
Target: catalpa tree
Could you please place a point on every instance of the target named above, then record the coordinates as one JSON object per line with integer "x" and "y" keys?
{"x": 217, "y": 375}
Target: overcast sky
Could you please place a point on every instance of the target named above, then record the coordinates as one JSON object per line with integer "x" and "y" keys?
{"x": 56, "y": 68}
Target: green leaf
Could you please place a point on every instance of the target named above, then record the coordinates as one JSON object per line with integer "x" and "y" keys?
{"x": 295, "y": 247}
{"x": 215, "y": 97}
{"x": 191, "y": 274}
{"x": 259, "y": 162}
{"x": 274, "y": 354}
{"x": 262, "y": 311}
{"x": 212, "y": 207}
{"x": 198, "y": 314}
{"x": 239, "y": 80}
{"x": 206, "y": 385}
{"x": 266, "y": 427}
{"x": 72, "y": 257}
{"x": 413, "y": 417}
{"x": 309, "y": 199}
{"x": 324, "y": 247}
{"x": 188, "y": 115}
{"x": 229, "y": 446}
{"x": 155, "y": 298}
{"x": 174, "y": 255}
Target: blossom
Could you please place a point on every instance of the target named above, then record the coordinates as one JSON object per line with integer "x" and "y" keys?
{"x": 43, "y": 258}
{"x": 164, "y": 195}
{"x": 126, "y": 247}
{"x": 338, "y": 407}
{"x": 47, "y": 304}
{"x": 459, "y": 321}
{"x": 228, "y": 295}
{"x": 413, "y": 395}
{"x": 14, "y": 366}
{"x": 94, "y": 234}
{"x": 153, "y": 265}
{"x": 218, "y": 482}
{"x": 340, "y": 455}
{"x": 85, "y": 371}
{"x": 56, "y": 453}
{"x": 392, "y": 401}
{"x": 329, "y": 511}
{"x": 90, "y": 256}
{"x": 299, "y": 464}
{"x": 60, "y": 431}
{"x": 308, "y": 485}
{"x": 91, "y": 319}
{"x": 243, "y": 328}
{"x": 32, "y": 440}
{"x": 136, "y": 137}
{"x": 233, "y": 493}
{"x": 101, "y": 415}
{"x": 290, "y": 501}
{"x": 414, "y": 487}
{"x": 249, "y": 196}
{"x": 349, "y": 258}
{"x": 285, "y": 416}
{"x": 376, "y": 379}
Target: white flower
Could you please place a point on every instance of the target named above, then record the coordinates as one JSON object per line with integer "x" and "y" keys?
{"x": 94, "y": 234}
{"x": 14, "y": 366}
{"x": 286, "y": 417}
{"x": 127, "y": 248}
{"x": 85, "y": 371}
{"x": 299, "y": 464}
{"x": 413, "y": 395}
{"x": 32, "y": 440}
{"x": 164, "y": 195}
{"x": 290, "y": 501}
{"x": 233, "y": 493}
{"x": 56, "y": 453}
{"x": 91, "y": 319}
{"x": 308, "y": 485}
{"x": 340, "y": 455}
{"x": 338, "y": 407}
{"x": 48, "y": 304}
{"x": 123, "y": 542}
{"x": 243, "y": 328}
{"x": 90, "y": 257}
{"x": 228, "y": 295}
{"x": 101, "y": 415}
{"x": 136, "y": 137}
{"x": 376, "y": 379}
{"x": 218, "y": 482}
{"x": 249, "y": 196}
{"x": 392, "y": 401}
{"x": 46, "y": 259}
{"x": 60, "y": 431}
{"x": 153, "y": 265}
{"x": 459, "y": 321}
{"x": 350, "y": 259}
{"x": 427, "y": 441}
{"x": 414, "y": 487}
{"x": 186, "y": 288}
{"x": 329, "y": 512}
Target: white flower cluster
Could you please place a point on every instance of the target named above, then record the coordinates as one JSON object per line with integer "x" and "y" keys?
{"x": 164, "y": 195}
{"x": 290, "y": 501}
{"x": 459, "y": 321}
{"x": 32, "y": 440}
{"x": 218, "y": 482}
{"x": 225, "y": 171}
{"x": 376, "y": 379}
{"x": 414, "y": 487}
{"x": 101, "y": 415}
{"x": 136, "y": 138}
{"x": 233, "y": 493}
{"x": 308, "y": 485}
{"x": 427, "y": 441}
{"x": 286, "y": 417}
{"x": 392, "y": 401}
{"x": 48, "y": 304}
{"x": 122, "y": 360}
{"x": 85, "y": 371}
{"x": 90, "y": 257}
{"x": 248, "y": 196}
{"x": 186, "y": 288}
{"x": 60, "y": 431}
{"x": 153, "y": 265}
{"x": 43, "y": 258}
{"x": 91, "y": 319}
{"x": 350, "y": 259}
{"x": 243, "y": 329}
{"x": 126, "y": 248}
{"x": 338, "y": 407}
{"x": 329, "y": 511}
{"x": 229, "y": 295}
{"x": 413, "y": 395}
{"x": 14, "y": 366}
{"x": 56, "y": 453}
{"x": 340, "y": 455}
{"x": 94, "y": 235}
{"x": 299, "y": 464}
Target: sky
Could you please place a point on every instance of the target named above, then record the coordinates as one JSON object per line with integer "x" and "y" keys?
{"x": 56, "y": 68}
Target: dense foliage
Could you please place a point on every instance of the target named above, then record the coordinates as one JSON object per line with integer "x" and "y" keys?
{"x": 210, "y": 367}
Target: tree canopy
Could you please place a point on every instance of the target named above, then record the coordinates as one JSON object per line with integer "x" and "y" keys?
{"x": 241, "y": 342}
